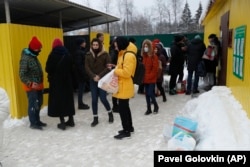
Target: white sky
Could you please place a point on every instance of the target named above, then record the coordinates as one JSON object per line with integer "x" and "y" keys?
{"x": 222, "y": 125}
{"x": 142, "y": 4}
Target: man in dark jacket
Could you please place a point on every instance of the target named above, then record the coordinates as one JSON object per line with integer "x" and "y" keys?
{"x": 82, "y": 78}
{"x": 176, "y": 62}
{"x": 194, "y": 55}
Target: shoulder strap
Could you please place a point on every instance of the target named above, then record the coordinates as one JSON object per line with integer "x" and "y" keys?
{"x": 125, "y": 54}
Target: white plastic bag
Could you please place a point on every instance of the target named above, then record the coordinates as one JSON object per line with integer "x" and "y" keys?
{"x": 109, "y": 82}
{"x": 181, "y": 141}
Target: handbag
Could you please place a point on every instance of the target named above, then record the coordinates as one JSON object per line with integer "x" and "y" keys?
{"x": 109, "y": 82}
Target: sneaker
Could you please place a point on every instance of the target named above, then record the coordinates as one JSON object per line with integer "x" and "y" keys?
{"x": 41, "y": 124}
{"x": 123, "y": 135}
{"x": 131, "y": 131}
{"x": 36, "y": 127}
{"x": 83, "y": 107}
{"x": 196, "y": 91}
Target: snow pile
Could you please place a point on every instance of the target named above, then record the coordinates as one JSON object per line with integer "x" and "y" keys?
{"x": 222, "y": 123}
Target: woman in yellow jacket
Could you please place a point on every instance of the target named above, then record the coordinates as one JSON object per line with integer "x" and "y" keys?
{"x": 125, "y": 69}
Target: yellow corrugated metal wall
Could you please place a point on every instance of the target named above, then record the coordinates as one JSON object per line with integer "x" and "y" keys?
{"x": 106, "y": 39}
{"x": 239, "y": 11}
{"x": 12, "y": 40}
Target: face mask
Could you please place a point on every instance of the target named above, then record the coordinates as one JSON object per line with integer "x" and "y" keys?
{"x": 145, "y": 49}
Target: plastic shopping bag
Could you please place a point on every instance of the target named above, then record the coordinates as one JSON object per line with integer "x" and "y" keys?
{"x": 186, "y": 125}
{"x": 109, "y": 82}
{"x": 181, "y": 141}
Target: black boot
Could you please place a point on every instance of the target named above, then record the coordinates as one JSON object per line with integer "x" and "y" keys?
{"x": 83, "y": 106}
{"x": 148, "y": 110}
{"x": 70, "y": 122}
{"x": 95, "y": 122}
{"x": 111, "y": 118}
{"x": 61, "y": 125}
{"x": 156, "y": 107}
{"x": 164, "y": 99}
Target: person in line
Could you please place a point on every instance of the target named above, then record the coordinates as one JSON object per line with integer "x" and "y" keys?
{"x": 151, "y": 63}
{"x": 96, "y": 65}
{"x": 125, "y": 69}
{"x": 162, "y": 64}
{"x": 81, "y": 76}
{"x": 59, "y": 67}
{"x": 114, "y": 56}
{"x": 176, "y": 63}
{"x": 100, "y": 36}
{"x": 211, "y": 57}
{"x": 31, "y": 75}
{"x": 195, "y": 52}
{"x": 141, "y": 89}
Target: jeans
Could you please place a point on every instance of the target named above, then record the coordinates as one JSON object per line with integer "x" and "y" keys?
{"x": 189, "y": 81}
{"x": 125, "y": 114}
{"x": 81, "y": 89}
{"x": 35, "y": 101}
{"x": 150, "y": 93}
{"x": 95, "y": 92}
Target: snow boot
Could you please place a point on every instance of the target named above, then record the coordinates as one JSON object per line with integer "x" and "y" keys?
{"x": 95, "y": 122}
{"x": 111, "y": 118}
{"x": 70, "y": 121}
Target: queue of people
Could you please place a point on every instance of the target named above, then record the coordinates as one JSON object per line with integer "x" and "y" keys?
{"x": 90, "y": 66}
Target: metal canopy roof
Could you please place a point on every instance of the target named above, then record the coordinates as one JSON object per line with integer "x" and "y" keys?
{"x": 53, "y": 13}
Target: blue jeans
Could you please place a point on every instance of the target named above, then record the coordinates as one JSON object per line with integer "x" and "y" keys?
{"x": 35, "y": 101}
{"x": 190, "y": 85}
{"x": 150, "y": 93}
{"x": 95, "y": 92}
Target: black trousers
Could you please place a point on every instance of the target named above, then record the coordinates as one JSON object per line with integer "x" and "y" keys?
{"x": 125, "y": 114}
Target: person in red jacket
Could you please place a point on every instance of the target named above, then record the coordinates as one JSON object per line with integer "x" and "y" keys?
{"x": 150, "y": 61}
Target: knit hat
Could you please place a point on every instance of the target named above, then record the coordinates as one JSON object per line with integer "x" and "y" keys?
{"x": 57, "y": 42}
{"x": 197, "y": 37}
{"x": 35, "y": 44}
{"x": 122, "y": 43}
{"x": 178, "y": 38}
{"x": 79, "y": 41}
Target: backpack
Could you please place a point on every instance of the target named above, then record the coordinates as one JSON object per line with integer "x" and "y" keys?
{"x": 139, "y": 70}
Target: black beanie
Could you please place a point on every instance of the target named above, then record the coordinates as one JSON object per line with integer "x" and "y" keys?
{"x": 122, "y": 43}
{"x": 178, "y": 38}
{"x": 79, "y": 41}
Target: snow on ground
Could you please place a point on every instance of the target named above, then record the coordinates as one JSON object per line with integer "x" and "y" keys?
{"x": 222, "y": 125}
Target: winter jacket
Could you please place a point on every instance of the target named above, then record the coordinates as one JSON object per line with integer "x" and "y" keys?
{"x": 79, "y": 63}
{"x": 177, "y": 59}
{"x": 124, "y": 70}
{"x": 59, "y": 68}
{"x": 163, "y": 62}
{"x": 97, "y": 65}
{"x": 195, "y": 52}
{"x": 30, "y": 70}
{"x": 151, "y": 64}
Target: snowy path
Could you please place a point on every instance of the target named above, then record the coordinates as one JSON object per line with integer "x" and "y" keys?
{"x": 85, "y": 146}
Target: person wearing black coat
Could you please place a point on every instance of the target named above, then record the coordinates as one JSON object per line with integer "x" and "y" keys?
{"x": 61, "y": 96}
{"x": 176, "y": 62}
{"x": 195, "y": 52}
{"x": 81, "y": 76}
